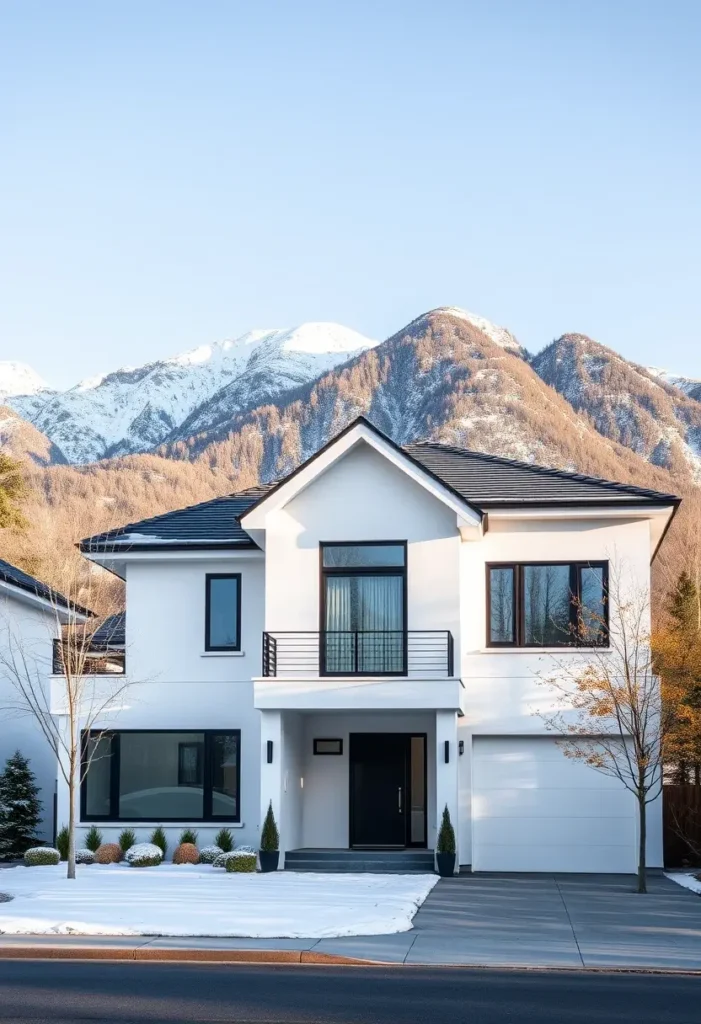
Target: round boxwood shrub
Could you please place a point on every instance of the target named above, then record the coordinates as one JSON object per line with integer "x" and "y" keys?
{"x": 108, "y": 853}
{"x": 84, "y": 857}
{"x": 208, "y": 854}
{"x": 186, "y": 853}
{"x": 241, "y": 860}
{"x": 144, "y": 855}
{"x": 36, "y": 856}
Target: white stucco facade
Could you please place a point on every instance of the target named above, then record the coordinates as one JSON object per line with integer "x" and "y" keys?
{"x": 28, "y": 626}
{"x": 516, "y": 803}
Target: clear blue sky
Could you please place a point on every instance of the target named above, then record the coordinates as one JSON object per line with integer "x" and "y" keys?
{"x": 173, "y": 173}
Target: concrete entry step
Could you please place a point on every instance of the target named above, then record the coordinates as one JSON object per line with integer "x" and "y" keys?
{"x": 376, "y": 861}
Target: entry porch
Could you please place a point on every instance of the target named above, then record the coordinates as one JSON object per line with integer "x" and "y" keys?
{"x": 371, "y": 783}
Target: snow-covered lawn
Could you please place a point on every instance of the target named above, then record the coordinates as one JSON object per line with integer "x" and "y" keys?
{"x": 184, "y": 899}
{"x": 686, "y": 878}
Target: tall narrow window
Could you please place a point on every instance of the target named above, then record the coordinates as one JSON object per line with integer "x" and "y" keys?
{"x": 555, "y": 604}
{"x": 363, "y": 609}
{"x": 223, "y": 612}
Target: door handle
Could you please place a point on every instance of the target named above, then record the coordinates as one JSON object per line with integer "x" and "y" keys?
{"x": 399, "y": 798}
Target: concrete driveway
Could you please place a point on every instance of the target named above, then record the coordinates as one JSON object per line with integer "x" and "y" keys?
{"x": 545, "y": 921}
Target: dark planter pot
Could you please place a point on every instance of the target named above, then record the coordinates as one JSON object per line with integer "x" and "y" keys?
{"x": 269, "y": 859}
{"x": 446, "y": 864}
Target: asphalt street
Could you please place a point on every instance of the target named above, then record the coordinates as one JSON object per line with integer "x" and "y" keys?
{"x": 58, "y": 992}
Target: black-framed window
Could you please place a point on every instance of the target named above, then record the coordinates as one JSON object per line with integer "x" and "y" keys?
{"x": 222, "y": 631}
{"x": 547, "y": 604}
{"x": 363, "y": 608}
{"x": 161, "y": 775}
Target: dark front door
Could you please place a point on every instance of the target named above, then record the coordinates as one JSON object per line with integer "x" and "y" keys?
{"x": 384, "y": 770}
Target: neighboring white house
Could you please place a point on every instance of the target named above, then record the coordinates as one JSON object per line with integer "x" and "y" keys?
{"x": 360, "y": 644}
{"x": 31, "y": 615}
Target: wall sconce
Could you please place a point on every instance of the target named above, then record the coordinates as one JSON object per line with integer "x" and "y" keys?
{"x": 447, "y": 751}
{"x": 461, "y": 747}
{"x": 270, "y": 751}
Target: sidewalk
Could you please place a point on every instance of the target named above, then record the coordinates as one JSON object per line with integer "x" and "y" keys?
{"x": 566, "y": 921}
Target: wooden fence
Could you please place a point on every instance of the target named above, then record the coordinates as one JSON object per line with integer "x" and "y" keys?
{"x": 682, "y": 825}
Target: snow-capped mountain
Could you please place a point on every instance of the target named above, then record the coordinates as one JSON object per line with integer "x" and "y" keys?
{"x": 691, "y": 386}
{"x": 136, "y": 408}
{"x": 19, "y": 379}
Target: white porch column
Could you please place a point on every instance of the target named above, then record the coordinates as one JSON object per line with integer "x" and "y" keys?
{"x": 271, "y": 773}
{"x": 447, "y": 772}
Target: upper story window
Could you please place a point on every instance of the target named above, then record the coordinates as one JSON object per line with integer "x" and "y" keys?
{"x": 223, "y": 612}
{"x": 363, "y": 609}
{"x": 553, "y": 604}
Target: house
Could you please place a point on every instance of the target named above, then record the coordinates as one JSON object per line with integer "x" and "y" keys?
{"x": 359, "y": 645}
{"x": 32, "y": 615}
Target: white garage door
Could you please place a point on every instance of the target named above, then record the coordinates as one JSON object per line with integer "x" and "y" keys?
{"x": 536, "y": 810}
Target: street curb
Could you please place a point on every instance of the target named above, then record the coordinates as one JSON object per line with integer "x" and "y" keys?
{"x": 233, "y": 956}
{"x": 148, "y": 953}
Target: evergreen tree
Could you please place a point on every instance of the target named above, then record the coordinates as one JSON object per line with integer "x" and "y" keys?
{"x": 20, "y": 808}
{"x": 683, "y": 602}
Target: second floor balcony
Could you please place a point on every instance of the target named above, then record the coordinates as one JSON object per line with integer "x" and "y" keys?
{"x": 371, "y": 653}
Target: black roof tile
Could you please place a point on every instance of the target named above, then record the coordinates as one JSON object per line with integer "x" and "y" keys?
{"x": 489, "y": 481}
{"x": 23, "y": 581}
{"x": 485, "y": 481}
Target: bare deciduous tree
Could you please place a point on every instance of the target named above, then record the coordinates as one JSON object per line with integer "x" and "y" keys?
{"x": 609, "y": 711}
{"x": 88, "y": 682}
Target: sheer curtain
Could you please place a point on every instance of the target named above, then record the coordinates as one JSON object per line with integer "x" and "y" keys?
{"x": 373, "y": 607}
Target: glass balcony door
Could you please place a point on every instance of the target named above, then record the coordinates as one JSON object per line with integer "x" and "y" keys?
{"x": 363, "y": 609}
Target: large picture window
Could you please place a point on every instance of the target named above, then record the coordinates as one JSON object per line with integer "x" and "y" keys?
{"x": 363, "y": 613}
{"x": 161, "y": 776}
{"x": 547, "y": 604}
{"x": 223, "y": 612}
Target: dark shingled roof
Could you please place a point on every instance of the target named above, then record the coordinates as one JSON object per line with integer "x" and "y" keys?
{"x": 489, "y": 481}
{"x": 211, "y": 523}
{"x": 484, "y": 481}
{"x": 23, "y": 581}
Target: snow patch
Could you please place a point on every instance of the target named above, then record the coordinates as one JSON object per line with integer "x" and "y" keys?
{"x": 687, "y": 879}
{"x": 499, "y": 335}
{"x": 19, "y": 379}
{"x": 187, "y": 899}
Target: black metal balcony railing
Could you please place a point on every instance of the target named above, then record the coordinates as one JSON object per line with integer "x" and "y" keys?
{"x": 92, "y": 660}
{"x": 388, "y": 652}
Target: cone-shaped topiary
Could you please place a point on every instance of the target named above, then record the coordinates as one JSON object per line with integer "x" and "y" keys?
{"x": 62, "y": 842}
{"x": 158, "y": 838}
{"x": 224, "y": 840}
{"x": 93, "y": 839}
{"x": 446, "y": 835}
{"x": 127, "y": 839}
{"x": 188, "y": 835}
{"x": 20, "y": 808}
{"x": 269, "y": 837}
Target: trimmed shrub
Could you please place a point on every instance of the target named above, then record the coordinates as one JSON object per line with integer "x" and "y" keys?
{"x": 93, "y": 840}
{"x": 186, "y": 853}
{"x": 208, "y": 854}
{"x": 269, "y": 837}
{"x": 37, "y": 856}
{"x": 127, "y": 839}
{"x": 62, "y": 842}
{"x": 241, "y": 861}
{"x": 84, "y": 857}
{"x": 446, "y": 835}
{"x": 224, "y": 839}
{"x": 222, "y": 859}
{"x": 108, "y": 853}
{"x": 159, "y": 839}
{"x": 144, "y": 855}
{"x": 188, "y": 835}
